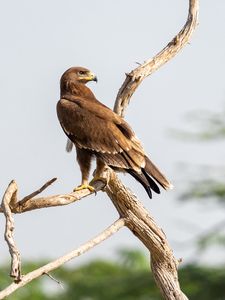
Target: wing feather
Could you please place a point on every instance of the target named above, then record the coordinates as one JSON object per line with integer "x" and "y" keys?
{"x": 92, "y": 126}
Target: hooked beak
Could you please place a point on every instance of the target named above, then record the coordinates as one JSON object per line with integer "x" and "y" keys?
{"x": 95, "y": 79}
{"x": 92, "y": 77}
{"x": 89, "y": 77}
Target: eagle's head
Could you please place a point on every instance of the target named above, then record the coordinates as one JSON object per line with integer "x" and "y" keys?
{"x": 73, "y": 82}
{"x": 78, "y": 74}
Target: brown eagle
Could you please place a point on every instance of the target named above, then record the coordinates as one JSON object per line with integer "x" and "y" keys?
{"x": 96, "y": 131}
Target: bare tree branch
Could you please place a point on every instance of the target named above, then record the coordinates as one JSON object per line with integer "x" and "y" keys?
{"x": 9, "y": 198}
{"x": 32, "y": 195}
{"x": 28, "y": 203}
{"x": 131, "y": 211}
{"x": 63, "y": 259}
{"x": 136, "y": 76}
{"x": 143, "y": 226}
{"x": 11, "y": 204}
{"x": 55, "y": 280}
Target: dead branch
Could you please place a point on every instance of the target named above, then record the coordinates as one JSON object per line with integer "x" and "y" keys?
{"x": 63, "y": 259}
{"x": 9, "y": 199}
{"x": 29, "y": 203}
{"x": 54, "y": 279}
{"x": 10, "y": 204}
{"x": 35, "y": 193}
{"x": 143, "y": 226}
{"x": 136, "y": 76}
{"x": 132, "y": 213}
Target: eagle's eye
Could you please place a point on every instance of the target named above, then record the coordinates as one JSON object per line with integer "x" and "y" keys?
{"x": 81, "y": 72}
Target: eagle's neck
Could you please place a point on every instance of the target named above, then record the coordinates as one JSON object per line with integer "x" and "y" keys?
{"x": 76, "y": 89}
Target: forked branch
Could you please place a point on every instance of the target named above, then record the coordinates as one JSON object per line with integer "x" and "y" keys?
{"x": 132, "y": 213}
{"x": 29, "y": 203}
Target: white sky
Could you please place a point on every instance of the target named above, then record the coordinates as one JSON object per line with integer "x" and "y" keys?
{"x": 39, "y": 41}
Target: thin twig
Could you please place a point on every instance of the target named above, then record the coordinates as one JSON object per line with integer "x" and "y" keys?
{"x": 54, "y": 279}
{"x": 40, "y": 190}
{"x": 9, "y": 228}
{"x": 63, "y": 259}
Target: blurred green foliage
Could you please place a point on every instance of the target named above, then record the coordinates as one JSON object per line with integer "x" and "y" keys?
{"x": 206, "y": 188}
{"x": 210, "y": 182}
{"x": 211, "y": 126}
{"x": 128, "y": 277}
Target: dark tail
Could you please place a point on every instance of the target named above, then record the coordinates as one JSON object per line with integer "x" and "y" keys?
{"x": 142, "y": 179}
{"x": 145, "y": 178}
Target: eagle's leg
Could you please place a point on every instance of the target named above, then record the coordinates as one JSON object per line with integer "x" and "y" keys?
{"x": 84, "y": 161}
{"x": 100, "y": 166}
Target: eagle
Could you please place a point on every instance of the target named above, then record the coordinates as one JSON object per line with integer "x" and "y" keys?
{"x": 97, "y": 132}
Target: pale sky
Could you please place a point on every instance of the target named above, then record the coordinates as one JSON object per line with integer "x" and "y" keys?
{"x": 39, "y": 41}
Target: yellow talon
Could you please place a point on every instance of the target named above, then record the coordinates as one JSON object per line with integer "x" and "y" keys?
{"x": 83, "y": 187}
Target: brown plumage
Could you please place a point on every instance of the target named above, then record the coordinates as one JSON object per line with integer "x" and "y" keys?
{"x": 97, "y": 131}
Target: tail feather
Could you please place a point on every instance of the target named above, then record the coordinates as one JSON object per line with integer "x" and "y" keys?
{"x": 151, "y": 182}
{"x": 142, "y": 179}
{"x": 154, "y": 172}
